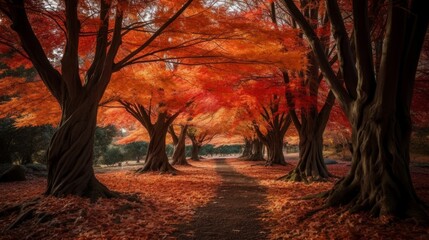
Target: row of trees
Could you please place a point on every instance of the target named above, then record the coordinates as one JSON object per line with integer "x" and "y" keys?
{"x": 261, "y": 66}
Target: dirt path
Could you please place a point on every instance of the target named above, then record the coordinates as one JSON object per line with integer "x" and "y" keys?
{"x": 233, "y": 213}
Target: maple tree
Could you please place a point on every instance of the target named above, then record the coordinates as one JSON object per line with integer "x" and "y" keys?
{"x": 198, "y": 138}
{"x": 313, "y": 119}
{"x": 376, "y": 101}
{"x": 269, "y": 121}
{"x": 278, "y": 123}
{"x": 156, "y": 158}
{"x": 78, "y": 93}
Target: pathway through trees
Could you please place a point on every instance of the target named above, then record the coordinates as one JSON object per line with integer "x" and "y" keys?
{"x": 233, "y": 214}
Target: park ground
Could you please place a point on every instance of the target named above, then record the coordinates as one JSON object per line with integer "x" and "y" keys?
{"x": 219, "y": 198}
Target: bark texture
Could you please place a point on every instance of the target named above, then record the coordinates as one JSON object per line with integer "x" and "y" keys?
{"x": 277, "y": 124}
{"x": 311, "y": 165}
{"x": 380, "y": 181}
{"x": 378, "y": 107}
{"x": 179, "y": 155}
{"x": 156, "y": 158}
{"x": 70, "y": 156}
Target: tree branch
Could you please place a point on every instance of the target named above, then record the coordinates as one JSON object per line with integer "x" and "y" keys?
{"x": 291, "y": 103}
{"x": 323, "y": 116}
{"x": 70, "y": 60}
{"x": 130, "y": 56}
{"x": 101, "y": 44}
{"x": 344, "y": 53}
{"x": 366, "y": 79}
{"x": 31, "y": 45}
{"x": 336, "y": 86}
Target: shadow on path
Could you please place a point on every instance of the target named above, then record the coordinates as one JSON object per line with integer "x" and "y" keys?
{"x": 232, "y": 214}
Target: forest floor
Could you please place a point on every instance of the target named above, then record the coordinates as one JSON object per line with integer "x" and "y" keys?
{"x": 212, "y": 199}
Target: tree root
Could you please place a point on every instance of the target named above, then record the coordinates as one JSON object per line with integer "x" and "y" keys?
{"x": 312, "y": 212}
{"x": 298, "y": 176}
{"x": 28, "y": 210}
{"x": 313, "y": 196}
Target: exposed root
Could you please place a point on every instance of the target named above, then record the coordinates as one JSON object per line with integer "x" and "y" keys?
{"x": 313, "y": 196}
{"x": 312, "y": 212}
{"x": 400, "y": 204}
{"x": 29, "y": 210}
{"x": 26, "y": 211}
{"x": 98, "y": 190}
{"x": 26, "y": 214}
{"x": 297, "y": 176}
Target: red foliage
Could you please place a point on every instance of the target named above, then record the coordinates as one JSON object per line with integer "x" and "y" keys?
{"x": 166, "y": 200}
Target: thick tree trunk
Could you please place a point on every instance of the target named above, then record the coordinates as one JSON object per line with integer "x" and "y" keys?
{"x": 247, "y": 149}
{"x": 179, "y": 156}
{"x": 156, "y": 158}
{"x": 311, "y": 165}
{"x": 195, "y": 151}
{"x": 379, "y": 180}
{"x": 256, "y": 151}
{"x": 275, "y": 151}
{"x": 70, "y": 155}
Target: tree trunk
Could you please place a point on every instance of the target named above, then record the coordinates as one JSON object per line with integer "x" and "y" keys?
{"x": 247, "y": 149}
{"x": 275, "y": 150}
{"x": 179, "y": 156}
{"x": 70, "y": 155}
{"x": 256, "y": 151}
{"x": 156, "y": 158}
{"x": 379, "y": 180}
{"x": 195, "y": 151}
{"x": 311, "y": 165}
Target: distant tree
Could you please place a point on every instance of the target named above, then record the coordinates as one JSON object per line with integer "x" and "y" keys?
{"x": 21, "y": 144}
{"x": 113, "y": 155}
{"x": 103, "y": 138}
{"x": 28, "y": 141}
{"x": 198, "y": 139}
{"x": 135, "y": 150}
